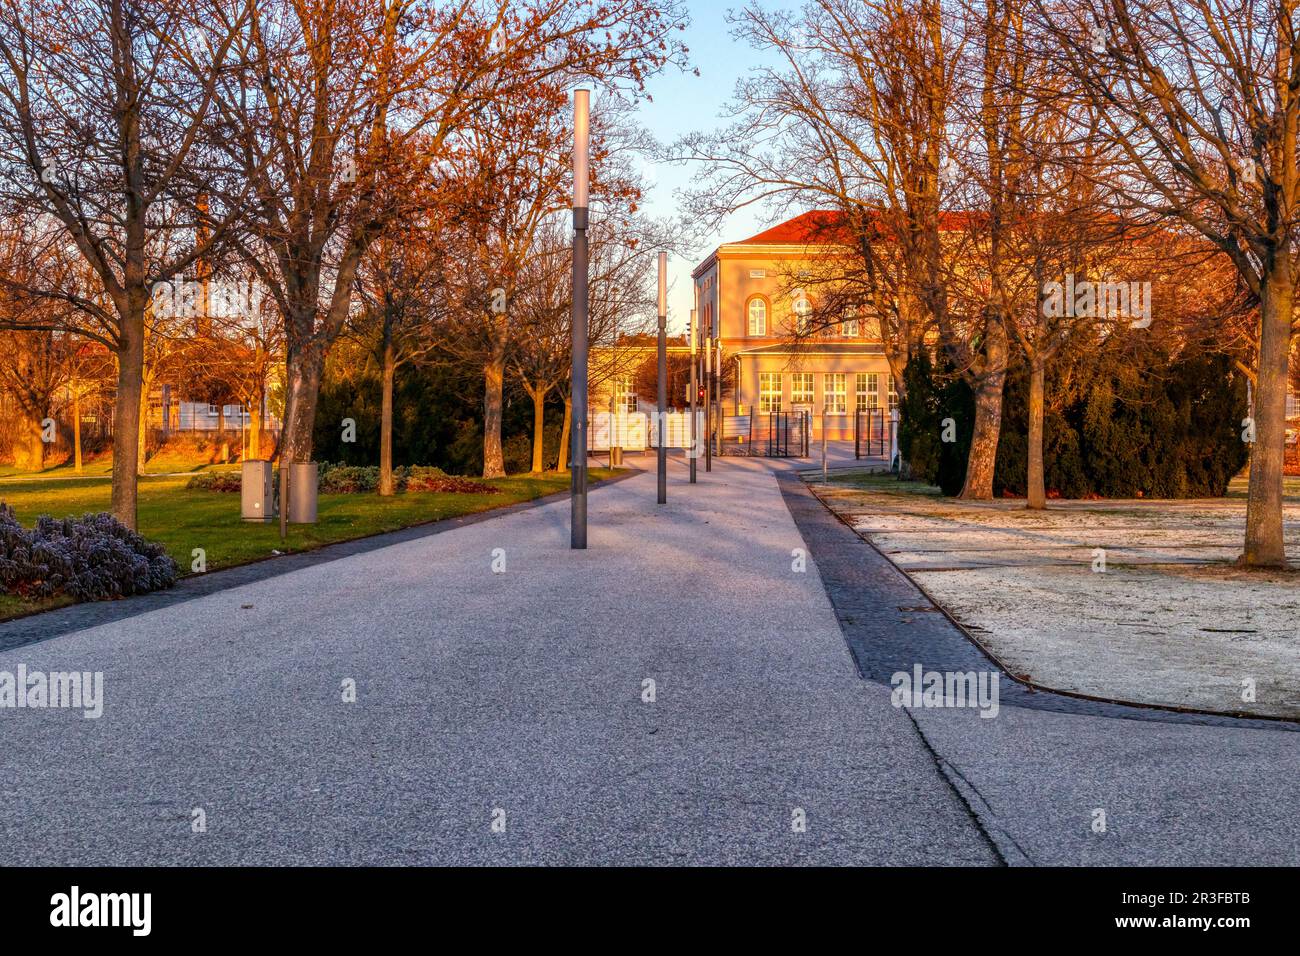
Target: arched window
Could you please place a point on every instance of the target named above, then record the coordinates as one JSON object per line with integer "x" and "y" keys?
{"x": 802, "y": 310}
{"x": 757, "y": 316}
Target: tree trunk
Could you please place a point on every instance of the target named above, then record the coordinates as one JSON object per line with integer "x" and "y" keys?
{"x": 303, "y": 372}
{"x": 126, "y": 418}
{"x": 562, "y": 462}
{"x": 76, "y": 431}
{"x": 386, "y": 421}
{"x": 493, "y": 387}
{"x": 988, "y": 416}
{"x": 142, "y": 437}
{"x": 1037, "y": 490}
{"x": 539, "y": 427}
{"x": 29, "y": 449}
{"x": 1264, "y": 543}
{"x": 255, "y": 424}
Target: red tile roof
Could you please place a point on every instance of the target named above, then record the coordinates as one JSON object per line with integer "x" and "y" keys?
{"x": 816, "y": 225}
{"x": 827, "y": 226}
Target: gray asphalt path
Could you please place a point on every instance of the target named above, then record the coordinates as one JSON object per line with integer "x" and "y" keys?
{"x": 518, "y": 696}
{"x": 512, "y": 697}
{"x": 1167, "y": 793}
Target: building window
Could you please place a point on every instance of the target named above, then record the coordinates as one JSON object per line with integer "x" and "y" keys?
{"x": 801, "y": 388}
{"x": 849, "y": 327}
{"x": 757, "y": 316}
{"x": 769, "y": 391}
{"x": 626, "y": 394}
{"x": 868, "y": 391}
{"x": 893, "y": 395}
{"x": 834, "y": 397}
{"x": 802, "y": 309}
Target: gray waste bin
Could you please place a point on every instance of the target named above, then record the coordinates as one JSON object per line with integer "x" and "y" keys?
{"x": 256, "y": 491}
{"x": 302, "y": 492}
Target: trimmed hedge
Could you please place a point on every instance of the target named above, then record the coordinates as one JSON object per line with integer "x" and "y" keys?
{"x": 340, "y": 479}
{"x": 1146, "y": 426}
{"x": 90, "y": 558}
{"x": 215, "y": 481}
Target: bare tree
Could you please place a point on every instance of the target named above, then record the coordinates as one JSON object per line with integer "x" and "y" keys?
{"x": 1201, "y": 103}
{"x": 338, "y": 96}
{"x": 105, "y": 122}
{"x": 859, "y": 117}
{"x": 623, "y": 246}
{"x": 88, "y": 372}
{"x": 512, "y": 167}
{"x": 542, "y": 355}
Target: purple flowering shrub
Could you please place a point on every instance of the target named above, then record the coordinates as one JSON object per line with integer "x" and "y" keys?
{"x": 90, "y": 558}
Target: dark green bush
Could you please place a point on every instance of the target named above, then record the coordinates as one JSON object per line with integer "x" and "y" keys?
{"x": 437, "y": 418}
{"x": 1161, "y": 429}
{"x": 930, "y": 398}
{"x": 918, "y": 420}
{"x": 1143, "y": 425}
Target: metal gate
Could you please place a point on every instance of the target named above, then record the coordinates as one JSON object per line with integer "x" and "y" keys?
{"x": 780, "y": 434}
{"x": 873, "y": 433}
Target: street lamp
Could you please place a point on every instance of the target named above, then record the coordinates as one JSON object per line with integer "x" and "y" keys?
{"x": 663, "y": 377}
{"x": 708, "y": 387}
{"x": 578, "y": 451}
{"x": 694, "y": 395}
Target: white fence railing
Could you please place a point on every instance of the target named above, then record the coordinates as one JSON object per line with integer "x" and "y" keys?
{"x": 636, "y": 431}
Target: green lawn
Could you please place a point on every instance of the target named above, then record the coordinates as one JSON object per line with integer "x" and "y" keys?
{"x": 102, "y": 467}
{"x": 869, "y": 481}
{"x": 1290, "y": 486}
{"x": 181, "y": 519}
{"x": 11, "y": 605}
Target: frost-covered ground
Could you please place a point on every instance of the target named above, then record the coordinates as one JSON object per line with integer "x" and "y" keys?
{"x": 1169, "y": 620}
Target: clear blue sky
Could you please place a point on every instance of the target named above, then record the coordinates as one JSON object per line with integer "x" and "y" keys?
{"x": 684, "y": 103}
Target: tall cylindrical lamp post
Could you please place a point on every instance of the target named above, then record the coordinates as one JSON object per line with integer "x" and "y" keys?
{"x": 695, "y": 438}
{"x": 663, "y": 377}
{"x": 578, "y": 448}
{"x": 708, "y": 390}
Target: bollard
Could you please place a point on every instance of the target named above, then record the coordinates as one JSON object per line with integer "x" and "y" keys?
{"x": 823, "y": 446}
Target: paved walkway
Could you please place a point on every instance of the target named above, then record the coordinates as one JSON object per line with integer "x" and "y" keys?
{"x": 477, "y": 691}
{"x": 519, "y": 696}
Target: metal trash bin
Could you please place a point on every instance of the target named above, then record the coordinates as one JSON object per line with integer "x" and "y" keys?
{"x": 302, "y": 492}
{"x": 256, "y": 491}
